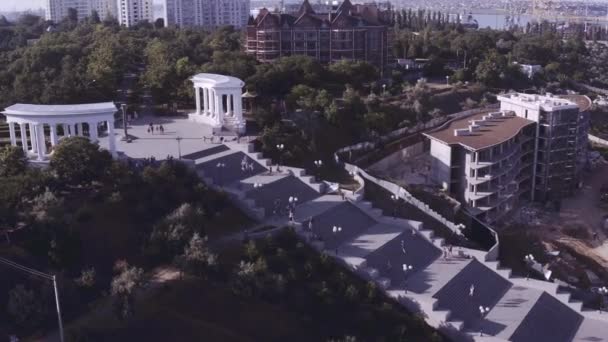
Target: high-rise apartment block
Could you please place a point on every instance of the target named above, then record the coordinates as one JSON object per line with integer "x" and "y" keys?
{"x": 347, "y": 32}
{"x": 56, "y": 10}
{"x": 534, "y": 148}
{"x": 132, "y": 12}
{"x": 206, "y": 13}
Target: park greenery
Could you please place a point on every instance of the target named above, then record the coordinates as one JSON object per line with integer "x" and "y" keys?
{"x": 102, "y": 224}
{"x": 89, "y": 221}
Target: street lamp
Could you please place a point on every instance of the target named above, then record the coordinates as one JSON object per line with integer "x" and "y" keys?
{"x": 447, "y": 80}
{"x": 124, "y": 122}
{"x": 257, "y": 185}
{"x": 483, "y": 311}
{"x": 280, "y": 147}
{"x": 219, "y": 167}
{"x": 395, "y": 200}
{"x": 336, "y": 230}
{"x": 179, "y": 147}
{"x": 529, "y": 259}
{"x": 603, "y": 291}
{"x": 406, "y": 268}
{"x": 293, "y": 202}
{"x": 384, "y": 89}
{"x": 318, "y": 164}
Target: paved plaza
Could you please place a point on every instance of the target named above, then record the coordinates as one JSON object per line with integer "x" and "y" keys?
{"x": 406, "y": 249}
{"x": 274, "y": 197}
{"x": 229, "y": 168}
{"x": 160, "y": 145}
{"x": 347, "y": 217}
{"x": 475, "y": 286}
{"x": 549, "y": 320}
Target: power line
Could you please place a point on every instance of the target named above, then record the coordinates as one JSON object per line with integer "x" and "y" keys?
{"x": 26, "y": 269}
{"x": 45, "y": 276}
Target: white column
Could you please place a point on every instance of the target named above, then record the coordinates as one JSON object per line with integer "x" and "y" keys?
{"x": 33, "y": 138}
{"x": 53, "y": 134}
{"x": 218, "y": 108}
{"x": 229, "y": 105}
{"x": 79, "y": 127}
{"x": 111, "y": 138}
{"x": 212, "y": 102}
{"x": 23, "y": 137}
{"x": 11, "y": 129}
{"x": 92, "y": 131}
{"x": 197, "y": 94}
{"x": 39, "y": 139}
{"x": 66, "y": 130}
{"x": 238, "y": 106}
{"x": 206, "y": 98}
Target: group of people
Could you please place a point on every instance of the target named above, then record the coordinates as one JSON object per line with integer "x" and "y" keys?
{"x": 246, "y": 166}
{"x": 447, "y": 250}
{"x": 159, "y": 128}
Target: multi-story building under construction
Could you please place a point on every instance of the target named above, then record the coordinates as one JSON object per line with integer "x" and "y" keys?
{"x": 534, "y": 148}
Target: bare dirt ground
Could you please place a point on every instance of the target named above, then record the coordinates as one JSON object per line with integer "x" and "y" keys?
{"x": 576, "y": 231}
{"x": 583, "y": 210}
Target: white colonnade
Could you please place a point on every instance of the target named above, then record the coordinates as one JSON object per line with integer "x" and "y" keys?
{"x": 218, "y": 101}
{"x": 37, "y": 122}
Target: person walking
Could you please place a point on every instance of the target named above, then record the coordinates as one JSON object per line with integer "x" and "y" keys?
{"x": 162, "y": 129}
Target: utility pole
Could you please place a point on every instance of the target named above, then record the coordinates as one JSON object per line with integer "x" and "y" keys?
{"x": 58, "y": 308}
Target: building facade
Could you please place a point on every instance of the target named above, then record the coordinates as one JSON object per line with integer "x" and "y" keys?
{"x": 348, "y": 32}
{"x": 132, "y": 12}
{"x": 56, "y": 10}
{"x": 533, "y": 148}
{"x": 105, "y": 8}
{"x": 208, "y": 14}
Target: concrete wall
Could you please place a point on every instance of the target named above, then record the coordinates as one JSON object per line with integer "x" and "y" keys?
{"x": 441, "y": 155}
{"x": 520, "y": 111}
{"x": 399, "y": 157}
{"x": 598, "y": 140}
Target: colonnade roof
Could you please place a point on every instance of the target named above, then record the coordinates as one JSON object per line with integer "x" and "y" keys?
{"x": 218, "y": 81}
{"x": 53, "y": 110}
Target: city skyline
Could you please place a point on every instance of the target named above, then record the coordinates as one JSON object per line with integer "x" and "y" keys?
{"x": 24, "y": 5}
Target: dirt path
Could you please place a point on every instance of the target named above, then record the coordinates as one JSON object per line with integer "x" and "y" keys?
{"x": 104, "y": 310}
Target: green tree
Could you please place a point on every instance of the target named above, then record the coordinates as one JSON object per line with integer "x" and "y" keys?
{"x": 197, "y": 257}
{"x": 490, "y": 69}
{"x": 128, "y": 280}
{"x": 77, "y": 161}
{"x": 13, "y": 161}
{"x": 26, "y": 308}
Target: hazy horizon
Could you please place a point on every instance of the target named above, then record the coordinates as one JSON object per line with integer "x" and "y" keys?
{"x": 23, "y": 5}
